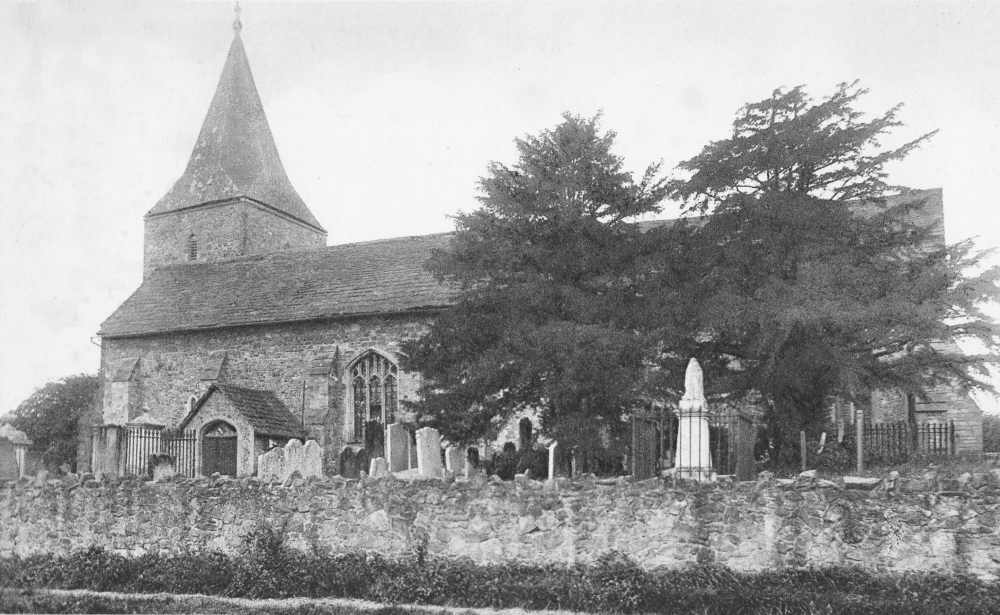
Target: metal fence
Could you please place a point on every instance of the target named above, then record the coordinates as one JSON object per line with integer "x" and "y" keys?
{"x": 724, "y": 440}
{"x": 896, "y": 442}
{"x": 126, "y": 450}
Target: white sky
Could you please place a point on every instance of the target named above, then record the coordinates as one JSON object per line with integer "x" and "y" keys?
{"x": 385, "y": 114}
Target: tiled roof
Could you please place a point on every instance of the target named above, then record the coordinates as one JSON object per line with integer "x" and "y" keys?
{"x": 262, "y": 409}
{"x": 929, "y": 215}
{"x": 235, "y": 155}
{"x": 377, "y": 277}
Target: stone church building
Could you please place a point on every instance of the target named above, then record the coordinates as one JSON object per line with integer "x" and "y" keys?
{"x": 247, "y": 324}
{"x": 245, "y": 319}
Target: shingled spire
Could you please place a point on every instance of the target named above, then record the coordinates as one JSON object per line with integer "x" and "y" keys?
{"x": 235, "y": 155}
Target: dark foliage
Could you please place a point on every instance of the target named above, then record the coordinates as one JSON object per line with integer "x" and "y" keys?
{"x": 614, "y": 584}
{"x": 50, "y": 416}
{"x": 546, "y": 313}
{"x": 805, "y": 283}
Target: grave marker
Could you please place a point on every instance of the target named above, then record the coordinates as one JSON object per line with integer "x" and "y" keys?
{"x": 429, "y": 453}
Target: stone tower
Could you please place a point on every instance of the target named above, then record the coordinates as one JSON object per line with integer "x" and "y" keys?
{"x": 234, "y": 198}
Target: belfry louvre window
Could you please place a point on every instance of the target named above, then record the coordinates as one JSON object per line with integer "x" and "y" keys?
{"x": 373, "y": 389}
{"x": 192, "y": 248}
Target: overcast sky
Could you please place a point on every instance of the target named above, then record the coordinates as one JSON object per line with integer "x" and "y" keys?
{"x": 385, "y": 114}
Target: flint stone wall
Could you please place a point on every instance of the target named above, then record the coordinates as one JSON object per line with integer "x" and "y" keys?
{"x": 917, "y": 525}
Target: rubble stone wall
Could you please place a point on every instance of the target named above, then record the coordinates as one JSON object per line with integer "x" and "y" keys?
{"x": 950, "y": 526}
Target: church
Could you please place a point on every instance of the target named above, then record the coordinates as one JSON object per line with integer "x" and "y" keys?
{"x": 248, "y": 330}
{"x": 246, "y": 316}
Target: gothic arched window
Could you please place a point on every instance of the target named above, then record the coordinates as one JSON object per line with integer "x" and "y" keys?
{"x": 373, "y": 391}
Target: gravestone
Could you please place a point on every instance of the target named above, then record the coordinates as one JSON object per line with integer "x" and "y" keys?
{"x": 293, "y": 457}
{"x": 271, "y": 465}
{"x": 429, "y": 453}
{"x": 9, "y": 469}
{"x": 398, "y": 447}
{"x": 353, "y": 463}
{"x": 454, "y": 460}
{"x": 312, "y": 459}
{"x": 278, "y": 464}
{"x": 379, "y": 468}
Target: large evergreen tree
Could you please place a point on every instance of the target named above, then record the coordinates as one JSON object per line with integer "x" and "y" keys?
{"x": 547, "y": 305}
{"x": 805, "y": 282}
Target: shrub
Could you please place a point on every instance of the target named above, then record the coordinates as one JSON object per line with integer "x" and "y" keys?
{"x": 536, "y": 460}
{"x": 503, "y": 464}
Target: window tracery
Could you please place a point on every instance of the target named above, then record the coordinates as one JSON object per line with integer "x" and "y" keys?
{"x": 374, "y": 391}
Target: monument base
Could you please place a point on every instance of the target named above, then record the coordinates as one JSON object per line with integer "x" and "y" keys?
{"x": 706, "y": 475}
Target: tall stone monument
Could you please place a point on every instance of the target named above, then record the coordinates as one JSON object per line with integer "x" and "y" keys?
{"x": 693, "y": 459}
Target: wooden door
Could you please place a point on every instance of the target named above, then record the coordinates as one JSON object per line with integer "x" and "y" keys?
{"x": 218, "y": 454}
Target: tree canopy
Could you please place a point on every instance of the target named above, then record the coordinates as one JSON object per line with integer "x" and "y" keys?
{"x": 547, "y": 306}
{"x": 808, "y": 278}
{"x": 798, "y": 275}
{"x": 50, "y": 415}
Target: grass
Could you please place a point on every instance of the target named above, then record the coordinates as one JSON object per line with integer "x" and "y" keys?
{"x": 613, "y": 585}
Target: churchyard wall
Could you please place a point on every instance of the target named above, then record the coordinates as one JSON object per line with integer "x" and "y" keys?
{"x": 907, "y": 525}
{"x": 303, "y": 363}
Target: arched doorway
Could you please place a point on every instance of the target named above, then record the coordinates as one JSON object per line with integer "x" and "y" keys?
{"x": 218, "y": 449}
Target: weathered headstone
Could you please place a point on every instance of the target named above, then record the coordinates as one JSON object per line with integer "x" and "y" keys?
{"x": 271, "y": 465}
{"x": 398, "y": 448}
{"x": 294, "y": 457}
{"x": 429, "y": 452}
{"x": 350, "y": 462}
{"x": 378, "y": 468}
{"x": 693, "y": 459}
{"x": 9, "y": 469}
{"x": 454, "y": 460}
{"x": 312, "y": 459}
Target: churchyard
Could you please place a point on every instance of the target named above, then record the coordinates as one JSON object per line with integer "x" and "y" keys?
{"x": 425, "y": 525}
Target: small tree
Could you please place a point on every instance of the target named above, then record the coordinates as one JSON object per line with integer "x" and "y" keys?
{"x": 50, "y": 415}
{"x": 547, "y": 295}
{"x": 809, "y": 283}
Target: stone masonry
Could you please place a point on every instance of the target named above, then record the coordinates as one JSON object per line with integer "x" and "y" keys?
{"x": 223, "y": 232}
{"x": 948, "y": 525}
{"x": 280, "y": 358}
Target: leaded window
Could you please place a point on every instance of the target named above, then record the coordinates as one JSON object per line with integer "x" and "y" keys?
{"x": 374, "y": 391}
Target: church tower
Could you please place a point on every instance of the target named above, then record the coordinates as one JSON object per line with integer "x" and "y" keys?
{"x": 234, "y": 198}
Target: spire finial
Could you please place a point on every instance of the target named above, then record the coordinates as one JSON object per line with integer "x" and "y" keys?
{"x": 237, "y": 25}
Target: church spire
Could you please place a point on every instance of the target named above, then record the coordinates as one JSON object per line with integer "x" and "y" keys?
{"x": 235, "y": 155}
